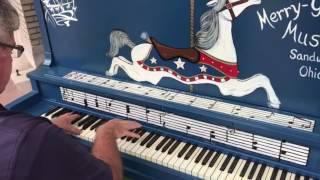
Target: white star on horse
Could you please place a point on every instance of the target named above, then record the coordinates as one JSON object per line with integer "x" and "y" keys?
{"x": 203, "y": 68}
{"x": 153, "y": 60}
{"x": 179, "y": 63}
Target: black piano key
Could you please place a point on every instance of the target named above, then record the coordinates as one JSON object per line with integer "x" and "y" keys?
{"x": 183, "y": 150}
{"x": 146, "y": 139}
{"x": 123, "y": 137}
{"x": 164, "y": 140}
{"x": 244, "y": 169}
{"x": 207, "y": 157}
{"x": 141, "y": 133}
{"x": 283, "y": 175}
{"x": 166, "y": 147}
{"x": 274, "y": 173}
{"x": 89, "y": 123}
{"x": 63, "y": 111}
{"x": 297, "y": 177}
{"x": 262, "y": 169}
{"x": 95, "y": 126}
{"x": 128, "y": 138}
{"x": 78, "y": 119}
{"x": 154, "y": 139}
{"x": 214, "y": 159}
{"x": 174, "y": 147}
{"x": 306, "y": 178}
{"x": 233, "y": 165}
{"x": 135, "y": 131}
{"x": 80, "y": 123}
{"x": 190, "y": 152}
{"x": 253, "y": 170}
{"x": 199, "y": 157}
{"x": 225, "y": 163}
{"x": 52, "y": 111}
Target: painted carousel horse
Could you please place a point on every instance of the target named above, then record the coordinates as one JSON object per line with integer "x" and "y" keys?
{"x": 214, "y": 47}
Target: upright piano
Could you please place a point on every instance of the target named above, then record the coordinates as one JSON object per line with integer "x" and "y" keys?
{"x": 225, "y": 89}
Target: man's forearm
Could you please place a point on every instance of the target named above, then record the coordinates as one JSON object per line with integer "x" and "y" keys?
{"x": 105, "y": 148}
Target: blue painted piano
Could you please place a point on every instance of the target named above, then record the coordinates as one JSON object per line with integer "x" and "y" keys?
{"x": 225, "y": 89}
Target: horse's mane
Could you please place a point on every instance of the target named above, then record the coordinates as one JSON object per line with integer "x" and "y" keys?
{"x": 208, "y": 34}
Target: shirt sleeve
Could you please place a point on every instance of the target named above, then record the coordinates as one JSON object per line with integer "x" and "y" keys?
{"x": 63, "y": 157}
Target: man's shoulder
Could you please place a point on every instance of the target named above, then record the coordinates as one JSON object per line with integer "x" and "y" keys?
{"x": 18, "y": 121}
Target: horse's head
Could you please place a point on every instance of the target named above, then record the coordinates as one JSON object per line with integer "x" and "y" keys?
{"x": 232, "y": 8}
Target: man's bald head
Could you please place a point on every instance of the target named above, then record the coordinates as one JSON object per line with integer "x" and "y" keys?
{"x": 9, "y": 19}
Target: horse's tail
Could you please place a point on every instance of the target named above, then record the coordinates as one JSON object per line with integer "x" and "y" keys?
{"x": 118, "y": 39}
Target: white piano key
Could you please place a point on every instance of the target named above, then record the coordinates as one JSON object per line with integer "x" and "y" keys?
{"x": 190, "y": 161}
{"x": 131, "y": 145}
{"x": 237, "y": 170}
{"x": 293, "y": 176}
{"x": 279, "y": 174}
{"x": 210, "y": 171}
{"x": 163, "y": 155}
{"x": 159, "y": 155}
{"x": 122, "y": 141}
{"x": 195, "y": 169}
{"x": 257, "y": 171}
{"x": 125, "y": 146}
{"x": 266, "y": 173}
{"x": 175, "y": 158}
{"x": 180, "y": 160}
{"x": 216, "y": 172}
{"x": 140, "y": 150}
{"x": 288, "y": 177}
{"x": 132, "y": 149}
{"x": 224, "y": 173}
{"x": 268, "y": 176}
{"x": 50, "y": 116}
{"x": 248, "y": 170}
{"x": 205, "y": 167}
{"x": 174, "y": 154}
{"x": 152, "y": 150}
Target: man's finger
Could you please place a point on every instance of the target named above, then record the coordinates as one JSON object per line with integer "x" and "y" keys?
{"x": 72, "y": 117}
{"x": 132, "y": 125}
{"x": 73, "y": 130}
{"x": 131, "y": 134}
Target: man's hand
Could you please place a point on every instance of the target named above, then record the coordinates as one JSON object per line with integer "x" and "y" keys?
{"x": 105, "y": 146}
{"x": 64, "y": 122}
{"x": 118, "y": 128}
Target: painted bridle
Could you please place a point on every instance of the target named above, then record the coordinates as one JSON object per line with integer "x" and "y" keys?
{"x": 228, "y": 6}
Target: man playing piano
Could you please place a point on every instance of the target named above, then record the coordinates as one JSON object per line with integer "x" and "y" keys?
{"x": 33, "y": 148}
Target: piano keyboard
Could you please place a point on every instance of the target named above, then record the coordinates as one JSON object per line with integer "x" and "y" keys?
{"x": 206, "y": 103}
{"x": 200, "y": 162}
{"x": 279, "y": 149}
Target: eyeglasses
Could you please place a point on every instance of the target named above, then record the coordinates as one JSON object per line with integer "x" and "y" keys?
{"x": 16, "y": 50}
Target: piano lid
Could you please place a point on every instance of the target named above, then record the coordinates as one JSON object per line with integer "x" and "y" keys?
{"x": 265, "y": 53}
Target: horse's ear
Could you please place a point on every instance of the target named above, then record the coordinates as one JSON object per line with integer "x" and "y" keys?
{"x": 212, "y": 3}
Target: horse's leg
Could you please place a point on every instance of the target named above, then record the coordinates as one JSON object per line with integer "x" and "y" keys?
{"x": 113, "y": 70}
{"x": 237, "y": 87}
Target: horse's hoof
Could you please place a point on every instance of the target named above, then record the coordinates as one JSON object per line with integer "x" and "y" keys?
{"x": 274, "y": 105}
{"x": 109, "y": 74}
